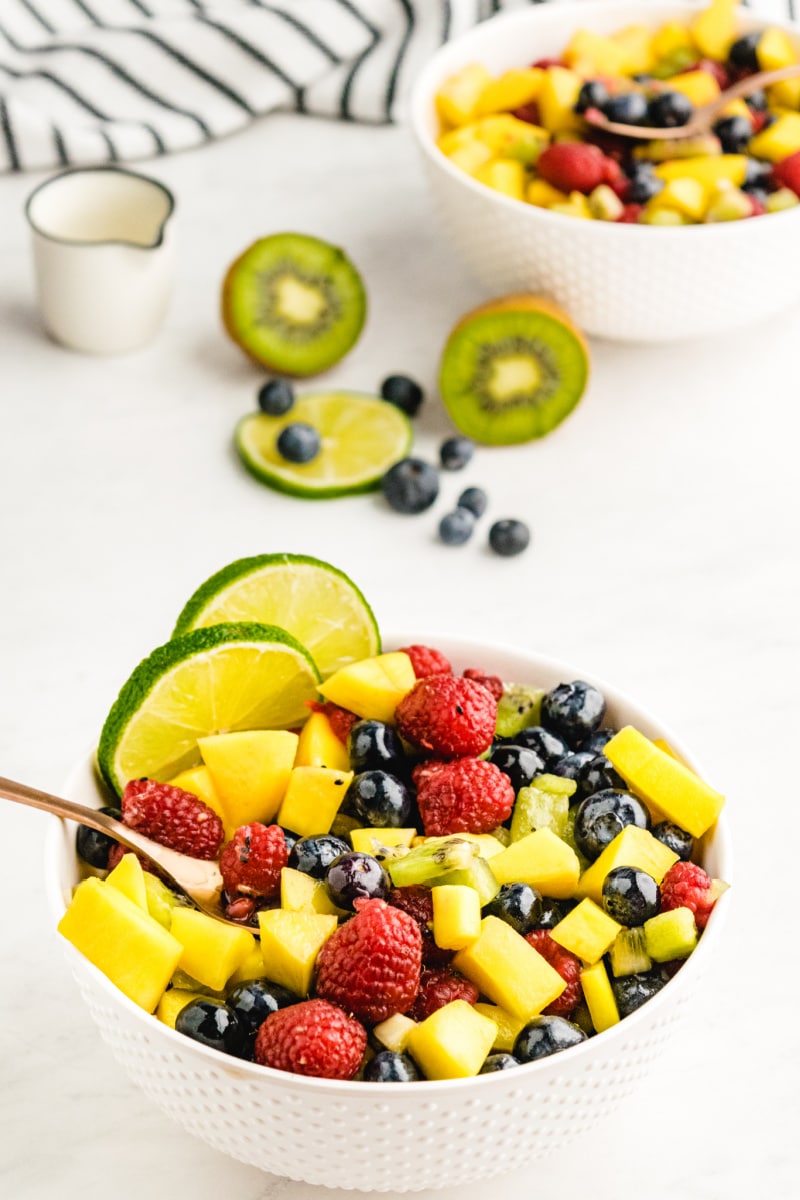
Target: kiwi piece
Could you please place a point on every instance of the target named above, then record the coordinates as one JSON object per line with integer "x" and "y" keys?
{"x": 518, "y": 707}
{"x": 512, "y": 370}
{"x": 294, "y": 303}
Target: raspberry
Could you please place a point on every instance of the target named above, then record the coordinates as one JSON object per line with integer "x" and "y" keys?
{"x": 715, "y": 69}
{"x": 686, "y": 885}
{"x": 529, "y": 113}
{"x": 341, "y": 719}
{"x": 492, "y": 683}
{"x": 573, "y": 166}
{"x": 252, "y": 861}
{"x": 173, "y": 817}
{"x": 427, "y": 661}
{"x": 468, "y": 795}
{"x": 370, "y": 966}
{"x": 630, "y": 214}
{"x": 757, "y": 209}
{"x": 759, "y": 120}
{"x": 787, "y": 172}
{"x": 437, "y": 988}
{"x": 418, "y": 903}
{"x": 448, "y": 716}
{"x": 116, "y": 853}
{"x": 311, "y": 1038}
{"x": 568, "y": 967}
{"x": 544, "y": 63}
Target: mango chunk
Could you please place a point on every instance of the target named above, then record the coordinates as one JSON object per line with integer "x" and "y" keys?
{"x": 636, "y": 43}
{"x": 290, "y": 943}
{"x": 136, "y": 953}
{"x": 557, "y": 97}
{"x": 707, "y": 169}
{"x": 663, "y": 781}
{"x": 249, "y": 770}
{"x": 510, "y": 90}
{"x": 699, "y": 87}
{"x": 393, "y": 1033}
{"x": 672, "y": 38}
{"x": 303, "y": 893}
{"x": 372, "y": 688}
{"x": 319, "y": 746}
{"x": 453, "y": 1042}
{"x": 714, "y": 28}
{"x": 504, "y": 175}
{"x": 508, "y": 1026}
{"x": 543, "y": 194}
{"x": 456, "y": 916}
{"x": 313, "y": 798}
{"x": 367, "y": 840}
{"x": 633, "y": 847}
{"x": 251, "y": 968}
{"x": 686, "y": 196}
{"x": 597, "y": 54}
{"x": 508, "y": 970}
{"x": 778, "y": 140}
{"x": 508, "y": 137}
{"x": 172, "y": 1002}
{"x": 541, "y": 859}
{"x": 471, "y": 156}
{"x": 128, "y": 878}
{"x": 587, "y": 931}
{"x": 599, "y": 997}
{"x": 458, "y": 96}
{"x": 775, "y": 49}
{"x": 211, "y": 951}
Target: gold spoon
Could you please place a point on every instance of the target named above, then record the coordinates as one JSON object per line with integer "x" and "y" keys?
{"x": 702, "y": 118}
{"x": 198, "y": 880}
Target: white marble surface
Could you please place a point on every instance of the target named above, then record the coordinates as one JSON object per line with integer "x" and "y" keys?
{"x": 666, "y": 528}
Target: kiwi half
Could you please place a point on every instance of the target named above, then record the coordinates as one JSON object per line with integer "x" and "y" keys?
{"x": 512, "y": 370}
{"x": 294, "y": 303}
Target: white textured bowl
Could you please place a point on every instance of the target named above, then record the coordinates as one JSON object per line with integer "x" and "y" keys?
{"x": 385, "y": 1137}
{"x": 635, "y": 283}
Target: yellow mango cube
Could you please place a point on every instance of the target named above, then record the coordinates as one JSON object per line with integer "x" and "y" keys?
{"x": 576, "y": 205}
{"x": 598, "y": 54}
{"x": 586, "y": 931}
{"x": 557, "y": 97}
{"x": 671, "y": 38}
{"x": 251, "y": 968}
{"x": 632, "y": 847}
{"x": 172, "y": 1002}
{"x": 313, "y": 798}
{"x": 453, "y": 1042}
{"x": 373, "y": 687}
{"x": 393, "y": 1033}
{"x": 318, "y": 745}
{"x": 211, "y": 951}
{"x": 508, "y": 970}
{"x": 699, "y": 87}
{"x": 250, "y": 771}
{"x": 707, "y": 169}
{"x": 687, "y": 196}
{"x": 136, "y": 953}
{"x": 504, "y": 175}
{"x": 714, "y": 28}
{"x": 290, "y": 944}
{"x": 784, "y": 95}
{"x": 366, "y": 841}
{"x": 128, "y": 878}
{"x": 636, "y": 42}
{"x": 471, "y": 157}
{"x": 775, "y": 49}
{"x": 542, "y": 860}
{"x": 303, "y": 893}
{"x": 458, "y": 96}
{"x": 510, "y": 90}
{"x": 507, "y": 137}
{"x": 456, "y": 916}
{"x": 543, "y": 194}
{"x": 778, "y": 140}
{"x": 658, "y": 778}
{"x": 508, "y": 1026}
{"x": 599, "y": 997}
{"x": 735, "y": 108}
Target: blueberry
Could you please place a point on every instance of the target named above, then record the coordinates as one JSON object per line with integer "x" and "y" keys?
{"x": 411, "y": 485}
{"x": 355, "y": 876}
{"x": 456, "y": 452}
{"x": 212, "y": 1024}
{"x": 93, "y": 846}
{"x": 518, "y": 763}
{"x": 549, "y": 746}
{"x": 597, "y": 741}
{"x": 456, "y": 528}
{"x": 498, "y": 1062}
{"x": 276, "y": 397}
{"x": 632, "y": 991}
{"x": 474, "y": 500}
{"x": 734, "y": 134}
{"x": 313, "y": 855}
{"x": 604, "y": 815}
{"x": 628, "y": 108}
{"x": 643, "y": 183}
{"x": 669, "y": 109}
{"x": 631, "y": 896}
{"x": 290, "y": 839}
{"x": 678, "y": 840}
{"x": 552, "y": 912}
{"x": 757, "y": 101}
{"x": 571, "y": 765}
{"x": 544, "y": 1036}
{"x": 299, "y": 442}
{"x": 509, "y": 537}
{"x": 254, "y": 1000}
{"x": 593, "y": 94}
{"x": 379, "y": 799}
{"x": 743, "y": 52}
{"x": 403, "y": 393}
{"x": 519, "y": 905}
{"x": 390, "y": 1067}
{"x": 372, "y": 745}
{"x": 597, "y": 776}
{"x": 758, "y": 174}
{"x": 573, "y": 710}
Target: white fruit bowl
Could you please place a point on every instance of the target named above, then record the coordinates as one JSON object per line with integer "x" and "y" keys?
{"x": 635, "y": 283}
{"x": 393, "y": 1137}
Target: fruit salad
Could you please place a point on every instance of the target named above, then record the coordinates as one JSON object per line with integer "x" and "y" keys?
{"x": 528, "y": 132}
{"x": 426, "y": 875}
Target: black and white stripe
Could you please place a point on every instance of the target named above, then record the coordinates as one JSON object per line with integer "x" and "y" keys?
{"x": 92, "y": 81}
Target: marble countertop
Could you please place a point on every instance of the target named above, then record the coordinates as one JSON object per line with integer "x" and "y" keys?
{"x": 664, "y": 558}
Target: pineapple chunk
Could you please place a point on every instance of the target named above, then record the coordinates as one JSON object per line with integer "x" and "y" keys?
{"x": 587, "y": 931}
{"x": 211, "y": 951}
{"x": 672, "y": 38}
{"x": 471, "y": 156}
{"x": 250, "y": 771}
{"x": 458, "y": 96}
{"x": 632, "y": 847}
{"x": 508, "y": 970}
{"x": 508, "y": 137}
{"x": 136, "y": 953}
{"x": 372, "y": 688}
{"x": 785, "y": 94}
{"x": 542, "y": 860}
{"x": 661, "y": 780}
{"x": 543, "y": 194}
{"x": 313, "y": 798}
{"x": 128, "y": 878}
{"x": 504, "y": 175}
{"x": 557, "y": 98}
{"x": 687, "y": 196}
{"x": 714, "y": 28}
{"x": 393, "y": 1032}
{"x": 576, "y": 205}
{"x": 456, "y": 916}
{"x": 599, "y": 997}
{"x": 699, "y": 87}
{"x": 366, "y": 841}
{"x": 508, "y": 1026}
{"x": 172, "y": 1002}
{"x": 303, "y": 893}
{"x": 290, "y": 943}
{"x": 671, "y": 934}
{"x": 778, "y": 140}
{"x": 319, "y": 746}
{"x": 775, "y": 49}
{"x": 636, "y": 41}
{"x": 510, "y": 90}
{"x": 596, "y": 54}
{"x": 453, "y": 1042}
{"x": 707, "y": 169}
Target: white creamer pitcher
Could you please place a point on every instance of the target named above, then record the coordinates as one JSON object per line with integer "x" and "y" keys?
{"x": 102, "y": 251}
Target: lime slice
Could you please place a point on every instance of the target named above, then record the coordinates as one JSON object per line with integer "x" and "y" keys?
{"x": 232, "y": 676}
{"x": 361, "y": 438}
{"x": 309, "y": 598}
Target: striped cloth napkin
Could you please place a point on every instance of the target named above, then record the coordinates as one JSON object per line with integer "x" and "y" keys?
{"x": 93, "y": 81}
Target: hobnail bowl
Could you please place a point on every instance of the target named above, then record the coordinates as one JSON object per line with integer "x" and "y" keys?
{"x": 385, "y": 1137}
{"x": 636, "y": 283}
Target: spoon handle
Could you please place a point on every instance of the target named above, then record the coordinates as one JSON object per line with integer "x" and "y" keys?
{"x": 753, "y": 83}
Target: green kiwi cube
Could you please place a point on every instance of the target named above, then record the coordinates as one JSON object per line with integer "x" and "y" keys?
{"x": 537, "y": 807}
{"x": 478, "y": 875}
{"x": 517, "y": 708}
{"x": 430, "y": 860}
{"x": 671, "y": 934}
{"x": 628, "y": 953}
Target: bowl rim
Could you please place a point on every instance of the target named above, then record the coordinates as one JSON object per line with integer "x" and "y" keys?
{"x": 455, "y": 646}
{"x": 429, "y": 76}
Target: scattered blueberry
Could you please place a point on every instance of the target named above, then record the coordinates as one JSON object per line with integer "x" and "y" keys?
{"x": 474, "y": 500}
{"x": 734, "y": 134}
{"x": 254, "y": 1000}
{"x": 743, "y": 52}
{"x": 631, "y": 896}
{"x": 597, "y": 741}
{"x": 519, "y": 905}
{"x": 313, "y": 855}
{"x": 597, "y": 776}
{"x": 571, "y": 765}
{"x": 498, "y": 1062}
{"x": 604, "y": 815}
{"x": 411, "y": 485}
{"x": 212, "y": 1024}
{"x": 509, "y": 537}
{"x": 679, "y": 841}
{"x": 93, "y": 846}
{"x": 544, "y": 1036}
{"x": 390, "y": 1067}
{"x": 643, "y": 183}
{"x": 379, "y": 799}
{"x": 456, "y": 528}
{"x": 355, "y": 876}
{"x": 276, "y": 397}
{"x": 290, "y": 839}
{"x": 403, "y": 392}
{"x": 299, "y": 442}
{"x": 669, "y": 109}
{"x": 628, "y": 108}
{"x": 552, "y": 913}
{"x": 548, "y": 745}
{"x": 372, "y": 746}
{"x": 632, "y": 991}
{"x": 518, "y": 763}
{"x": 757, "y": 101}
{"x": 573, "y": 710}
{"x": 456, "y": 452}
{"x": 593, "y": 94}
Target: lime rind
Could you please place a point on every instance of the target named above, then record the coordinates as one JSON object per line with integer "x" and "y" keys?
{"x": 318, "y": 604}
{"x": 148, "y": 709}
